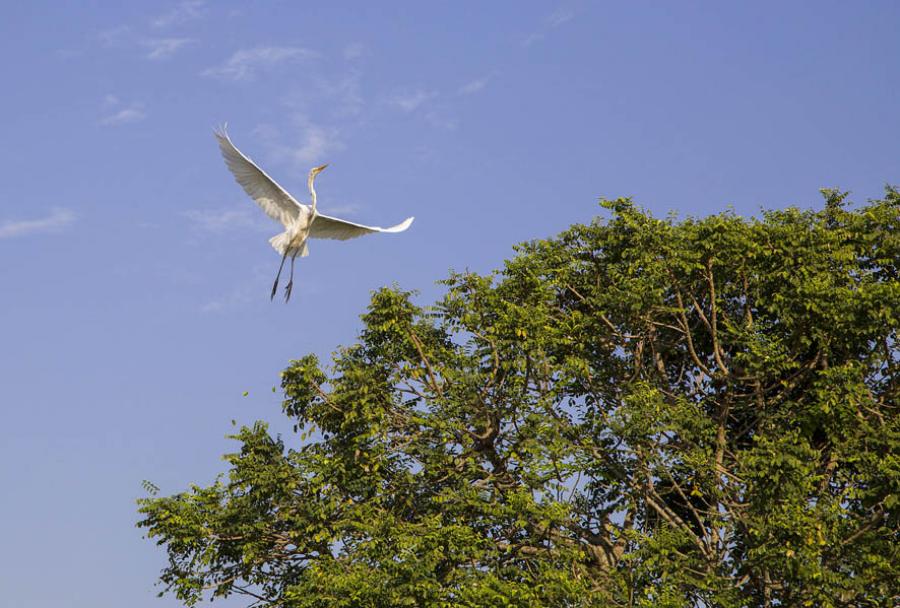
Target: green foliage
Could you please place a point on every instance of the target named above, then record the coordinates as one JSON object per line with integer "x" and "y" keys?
{"x": 636, "y": 413}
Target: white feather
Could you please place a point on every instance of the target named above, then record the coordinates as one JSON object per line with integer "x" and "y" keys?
{"x": 272, "y": 198}
{"x": 327, "y": 227}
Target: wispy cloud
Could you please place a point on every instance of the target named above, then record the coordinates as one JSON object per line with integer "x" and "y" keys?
{"x": 409, "y": 100}
{"x": 219, "y": 221}
{"x": 156, "y": 48}
{"x": 163, "y": 48}
{"x": 560, "y": 16}
{"x": 439, "y": 117}
{"x": 354, "y": 50}
{"x": 125, "y": 116}
{"x": 239, "y": 297}
{"x": 473, "y": 86}
{"x": 315, "y": 142}
{"x": 185, "y": 11}
{"x": 342, "y": 95}
{"x": 116, "y": 36}
{"x": 56, "y": 221}
{"x": 425, "y": 104}
{"x": 245, "y": 63}
{"x": 235, "y": 299}
{"x": 554, "y": 20}
{"x": 255, "y": 289}
{"x": 312, "y": 145}
{"x": 118, "y": 114}
{"x": 320, "y": 115}
{"x": 334, "y": 96}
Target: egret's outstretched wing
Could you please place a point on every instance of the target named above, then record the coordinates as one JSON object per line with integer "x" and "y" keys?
{"x": 272, "y": 198}
{"x": 325, "y": 227}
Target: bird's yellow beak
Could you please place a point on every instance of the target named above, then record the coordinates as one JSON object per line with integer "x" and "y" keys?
{"x": 320, "y": 168}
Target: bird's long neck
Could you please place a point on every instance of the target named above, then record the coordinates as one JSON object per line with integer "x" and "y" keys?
{"x": 312, "y": 192}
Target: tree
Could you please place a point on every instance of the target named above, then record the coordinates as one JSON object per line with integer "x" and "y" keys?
{"x": 636, "y": 413}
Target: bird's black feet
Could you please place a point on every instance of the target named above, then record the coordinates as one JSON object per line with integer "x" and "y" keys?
{"x": 287, "y": 290}
{"x": 274, "y": 290}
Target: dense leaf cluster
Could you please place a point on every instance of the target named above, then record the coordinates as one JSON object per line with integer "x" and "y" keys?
{"x": 635, "y": 413}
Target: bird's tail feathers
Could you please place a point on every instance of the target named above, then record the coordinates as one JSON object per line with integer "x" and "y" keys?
{"x": 280, "y": 243}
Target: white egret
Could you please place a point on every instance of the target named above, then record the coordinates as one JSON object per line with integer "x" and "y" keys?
{"x": 301, "y": 222}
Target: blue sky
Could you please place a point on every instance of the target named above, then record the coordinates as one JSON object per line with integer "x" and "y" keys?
{"x": 135, "y": 273}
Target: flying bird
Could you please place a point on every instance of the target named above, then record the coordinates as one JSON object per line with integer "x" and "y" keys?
{"x": 301, "y": 222}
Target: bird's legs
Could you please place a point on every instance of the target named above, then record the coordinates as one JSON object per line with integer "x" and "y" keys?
{"x": 278, "y": 276}
{"x": 290, "y": 285}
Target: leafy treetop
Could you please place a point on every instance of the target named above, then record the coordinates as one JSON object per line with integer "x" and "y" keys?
{"x": 636, "y": 413}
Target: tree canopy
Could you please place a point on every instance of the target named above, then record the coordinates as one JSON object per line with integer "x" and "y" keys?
{"x": 637, "y": 412}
